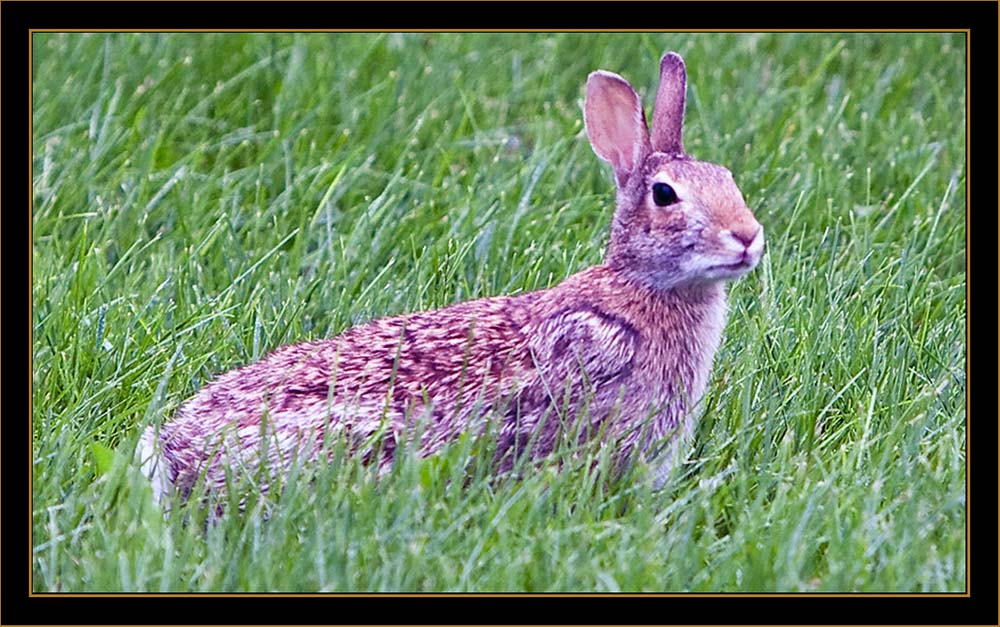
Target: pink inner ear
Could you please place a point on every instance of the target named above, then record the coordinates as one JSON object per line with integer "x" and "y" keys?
{"x": 615, "y": 122}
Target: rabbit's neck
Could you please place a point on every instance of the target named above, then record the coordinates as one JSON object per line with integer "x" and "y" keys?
{"x": 687, "y": 331}
{"x": 681, "y": 328}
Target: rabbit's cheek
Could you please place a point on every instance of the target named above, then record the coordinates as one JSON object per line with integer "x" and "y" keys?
{"x": 667, "y": 224}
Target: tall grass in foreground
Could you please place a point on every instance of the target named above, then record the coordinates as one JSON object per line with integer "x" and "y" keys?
{"x": 201, "y": 199}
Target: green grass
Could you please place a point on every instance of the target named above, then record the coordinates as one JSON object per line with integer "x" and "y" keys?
{"x": 201, "y": 199}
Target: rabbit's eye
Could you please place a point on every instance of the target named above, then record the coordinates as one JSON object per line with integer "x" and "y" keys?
{"x": 663, "y": 194}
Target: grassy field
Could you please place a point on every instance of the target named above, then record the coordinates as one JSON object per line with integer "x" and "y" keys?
{"x": 201, "y": 199}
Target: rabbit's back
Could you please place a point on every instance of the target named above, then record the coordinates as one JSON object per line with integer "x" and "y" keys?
{"x": 441, "y": 365}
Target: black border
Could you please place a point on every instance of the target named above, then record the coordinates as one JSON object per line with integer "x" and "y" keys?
{"x": 980, "y": 18}
{"x": 515, "y": 14}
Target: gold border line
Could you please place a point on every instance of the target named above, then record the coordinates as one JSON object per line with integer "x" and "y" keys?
{"x": 448, "y": 595}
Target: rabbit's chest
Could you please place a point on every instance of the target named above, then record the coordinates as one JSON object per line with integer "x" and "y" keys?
{"x": 674, "y": 361}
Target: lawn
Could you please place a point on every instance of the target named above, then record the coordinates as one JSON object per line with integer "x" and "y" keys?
{"x": 202, "y": 199}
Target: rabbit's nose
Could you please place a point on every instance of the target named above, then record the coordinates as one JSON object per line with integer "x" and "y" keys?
{"x": 747, "y": 235}
{"x": 747, "y": 240}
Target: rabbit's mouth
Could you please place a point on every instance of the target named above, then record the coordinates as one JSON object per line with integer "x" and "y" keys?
{"x": 747, "y": 262}
{"x": 733, "y": 270}
{"x": 744, "y": 264}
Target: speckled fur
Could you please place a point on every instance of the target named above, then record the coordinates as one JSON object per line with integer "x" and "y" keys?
{"x": 628, "y": 344}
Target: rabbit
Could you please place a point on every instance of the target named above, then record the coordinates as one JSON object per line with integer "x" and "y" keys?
{"x": 626, "y": 346}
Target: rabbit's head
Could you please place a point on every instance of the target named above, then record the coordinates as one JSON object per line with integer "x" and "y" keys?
{"x": 678, "y": 221}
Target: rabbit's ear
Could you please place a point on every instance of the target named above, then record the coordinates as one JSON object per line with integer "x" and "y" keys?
{"x": 668, "y": 115}
{"x": 616, "y": 123}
